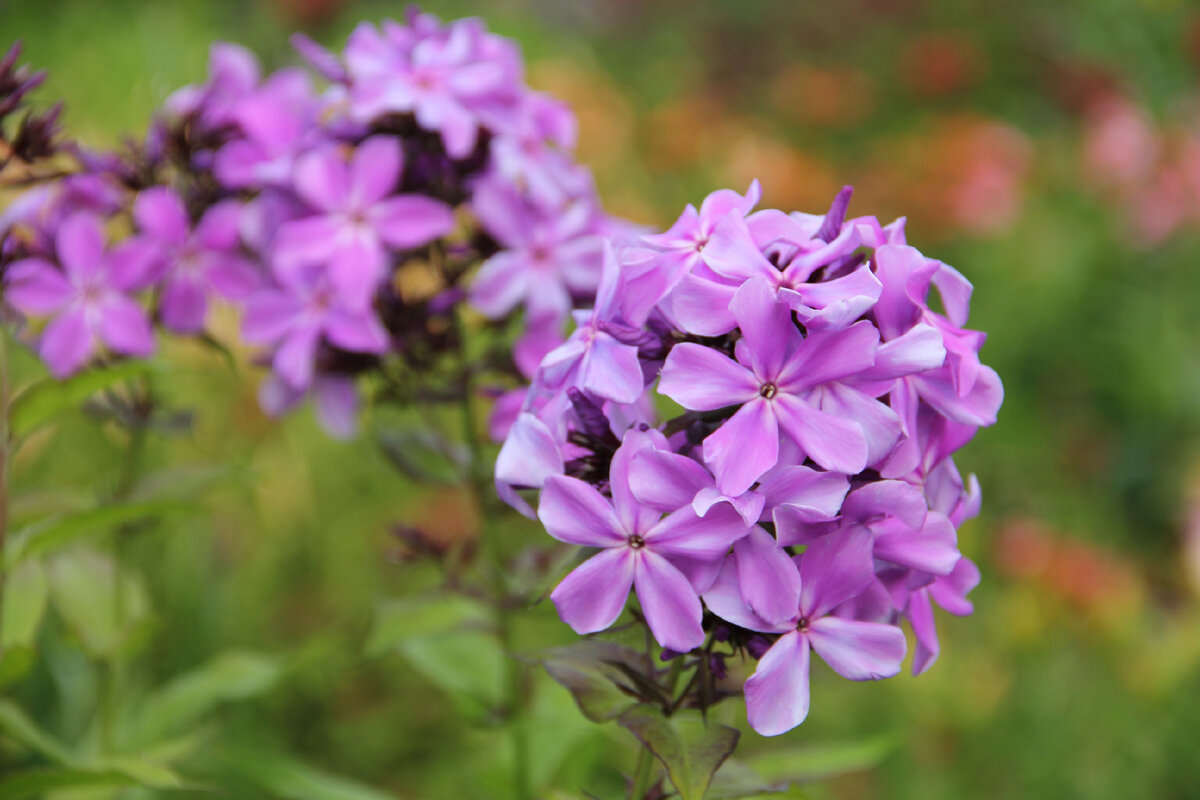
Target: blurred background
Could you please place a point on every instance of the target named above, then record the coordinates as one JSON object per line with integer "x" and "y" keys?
{"x": 1049, "y": 151}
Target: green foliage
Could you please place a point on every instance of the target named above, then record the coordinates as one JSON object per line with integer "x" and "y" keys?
{"x": 691, "y": 748}
{"x": 49, "y": 398}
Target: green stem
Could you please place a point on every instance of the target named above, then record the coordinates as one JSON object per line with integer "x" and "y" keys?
{"x": 642, "y": 773}
{"x": 492, "y": 556}
{"x": 5, "y": 441}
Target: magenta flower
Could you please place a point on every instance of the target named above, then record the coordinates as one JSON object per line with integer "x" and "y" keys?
{"x": 443, "y": 80}
{"x": 88, "y": 298}
{"x": 548, "y": 255}
{"x": 278, "y": 120}
{"x": 298, "y": 315}
{"x": 781, "y": 381}
{"x": 637, "y": 545}
{"x": 950, "y": 592}
{"x": 833, "y": 570}
{"x": 195, "y": 263}
{"x": 356, "y": 218}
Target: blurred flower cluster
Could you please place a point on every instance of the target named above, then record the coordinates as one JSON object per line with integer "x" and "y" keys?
{"x": 1149, "y": 171}
{"x": 349, "y": 221}
{"x": 802, "y": 494}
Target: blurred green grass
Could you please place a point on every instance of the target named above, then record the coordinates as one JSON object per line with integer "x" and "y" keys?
{"x": 1079, "y": 675}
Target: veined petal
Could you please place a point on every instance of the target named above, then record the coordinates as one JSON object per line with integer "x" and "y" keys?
{"x": 920, "y": 616}
{"x": 670, "y": 604}
{"x": 611, "y": 370}
{"x": 834, "y": 569}
{"x": 702, "y": 379}
{"x": 767, "y": 575}
{"x": 817, "y": 496}
{"x": 879, "y": 423}
{"x": 593, "y": 595}
{"x": 831, "y": 355}
{"x": 682, "y": 533}
{"x": 777, "y": 692}
{"x": 860, "y": 651}
{"x": 529, "y": 454}
{"x": 666, "y": 481}
{"x": 576, "y": 513}
{"x": 702, "y": 306}
{"x": 835, "y": 443}
{"x": 743, "y": 448}
{"x": 769, "y": 334}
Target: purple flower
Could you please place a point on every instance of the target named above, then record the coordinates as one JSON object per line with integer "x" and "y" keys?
{"x": 832, "y": 571}
{"x": 637, "y": 544}
{"x": 195, "y": 263}
{"x": 950, "y": 592}
{"x": 356, "y": 218}
{"x": 547, "y": 255}
{"x": 88, "y": 298}
{"x": 278, "y": 120}
{"x": 298, "y": 315}
{"x": 445, "y": 80}
{"x": 781, "y": 380}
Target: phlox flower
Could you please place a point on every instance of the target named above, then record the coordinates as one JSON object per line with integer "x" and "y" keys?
{"x": 87, "y": 299}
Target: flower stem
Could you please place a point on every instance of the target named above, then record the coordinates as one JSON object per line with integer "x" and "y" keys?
{"x": 478, "y": 479}
{"x": 642, "y": 773}
{"x": 5, "y": 440}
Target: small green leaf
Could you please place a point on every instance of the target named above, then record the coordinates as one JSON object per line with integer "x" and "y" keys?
{"x": 399, "y": 621}
{"x": 822, "y": 761}
{"x": 16, "y": 725}
{"x": 100, "y": 604}
{"x": 588, "y": 671}
{"x": 689, "y": 748}
{"x": 290, "y": 778}
{"x": 26, "y": 591}
{"x": 48, "y": 398}
{"x": 186, "y": 699}
{"x": 56, "y": 532}
{"x": 425, "y": 456}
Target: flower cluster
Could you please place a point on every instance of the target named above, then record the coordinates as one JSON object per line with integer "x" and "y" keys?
{"x": 803, "y": 497}
{"x": 348, "y": 222}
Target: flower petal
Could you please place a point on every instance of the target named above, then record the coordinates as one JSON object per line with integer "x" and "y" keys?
{"x": 833, "y": 442}
{"x": 36, "y": 286}
{"x": 411, "y": 220}
{"x": 125, "y": 328}
{"x": 576, "y": 513}
{"x": 777, "y": 692}
{"x": 593, "y": 595}
{"x": 670, "y": 604}
{"x": 702, "y": 379}
{"x": 666, "y": 481}
{"x": 834, "y": 569}
{"x": 767, "y": 575}
{"x": 160, "y": 212}
{"x": 683, "y": 533}
{"x": 860, "y": 651}
{"x": 374, "y": 168}
{"x": 743, "y": 448}
{"x": 66, "y": 343}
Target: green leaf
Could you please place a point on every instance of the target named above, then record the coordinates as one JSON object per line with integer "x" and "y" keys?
{"x": 16, "y": 725}
{"x": 736, "y": 781}
{"x": 15, "y": 661}
{"x": 48, "y": 398}
{"x": 399, "y": 621}
{"x": 26, "y": 592}
{"x": 824, "y": 760}
{"x": 588, "y": 671}
{"x": 185, "y": 700}
{"x": 468, "y": 665}
{"x": 425, "y": 456}
{"x": 689, "y": 748}
{"x": 56, "y": 532}
{"x": 37, "y": 782}
{"x": 290, "y": 778}
{"x": 100, "y": 604}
